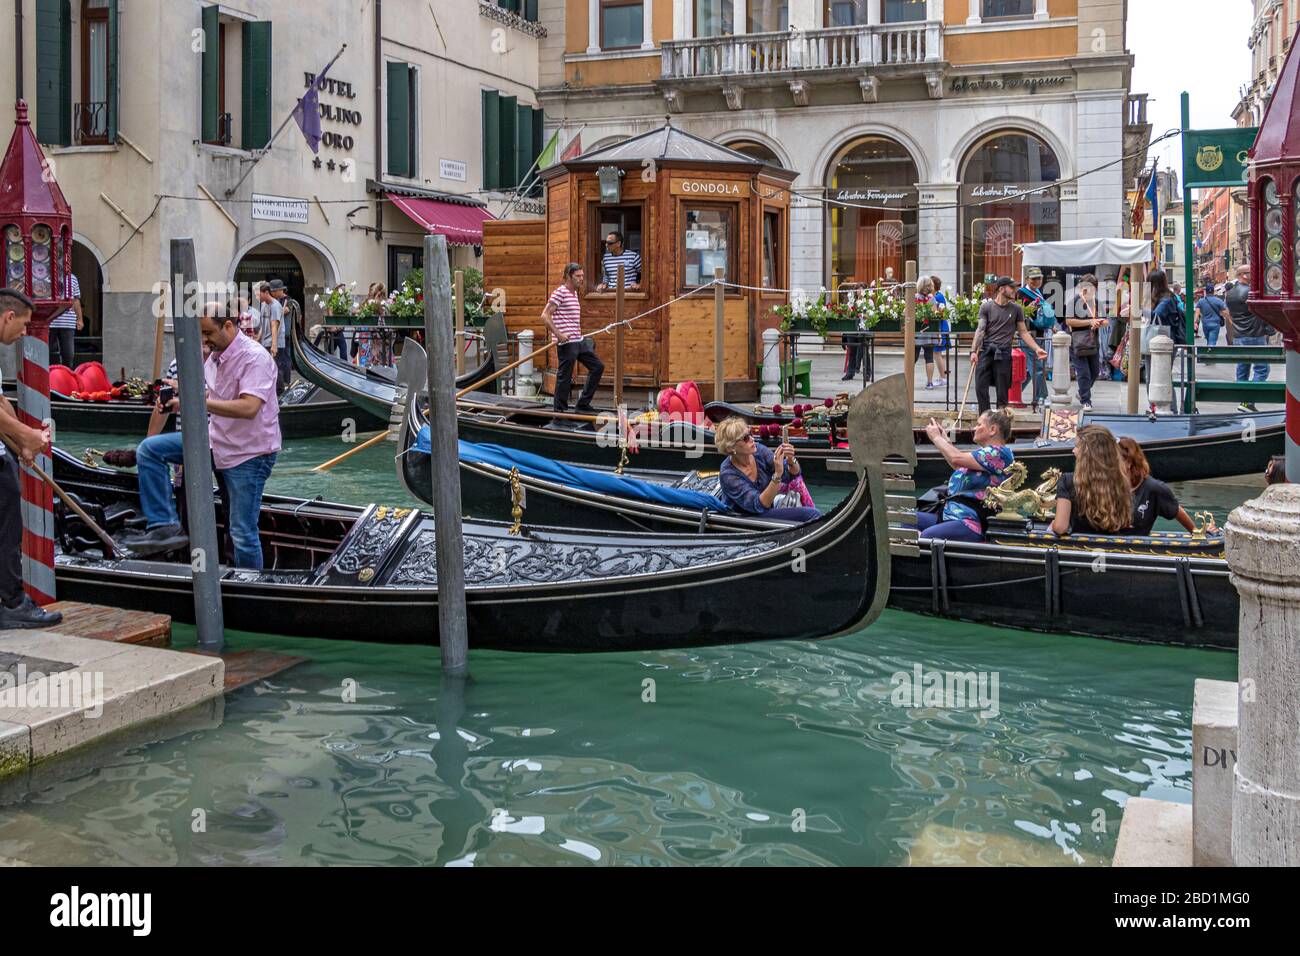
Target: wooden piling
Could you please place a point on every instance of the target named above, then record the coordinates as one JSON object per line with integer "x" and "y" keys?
{"x": 1137, "y": 286}
{"x": 909, "y": 331}
{"x": 719, "y": 307}
{"x": 460, "y": 321}
{"x": 618, "y": 339}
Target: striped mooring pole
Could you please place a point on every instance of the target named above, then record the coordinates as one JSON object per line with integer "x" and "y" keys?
{"x": 1293, "y": 411}
{"x": 38, "y": 499}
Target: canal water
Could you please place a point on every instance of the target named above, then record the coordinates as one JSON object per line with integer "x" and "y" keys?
{"x": 785, "y": 752}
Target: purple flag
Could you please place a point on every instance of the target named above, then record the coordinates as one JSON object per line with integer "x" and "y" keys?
{"x": 307, "y": 115}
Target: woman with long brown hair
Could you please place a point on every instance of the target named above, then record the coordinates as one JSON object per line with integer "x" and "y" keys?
{"x": 1095, "y": 498}
{"x": 1151, "y": 498}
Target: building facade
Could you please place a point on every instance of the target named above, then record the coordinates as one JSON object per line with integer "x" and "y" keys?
{"x": 945, "y": 131}
{"x": 157, "y": 117}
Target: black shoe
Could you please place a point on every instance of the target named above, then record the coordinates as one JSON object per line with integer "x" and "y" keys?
{"x": 849, "y": 377}
{"x": 159, "y": 540}
{"x": 28, "y": 615}
{"x": 581, "y": 409}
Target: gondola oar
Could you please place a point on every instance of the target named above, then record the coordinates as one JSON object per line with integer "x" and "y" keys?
{"x": 374, "y": 440}
{"x": 509, "y": 368}
{"x": 961, "y": 411}
{"x": 109, "y": 544}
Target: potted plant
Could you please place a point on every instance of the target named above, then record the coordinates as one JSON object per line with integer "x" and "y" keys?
{"x": 338, "y": 306}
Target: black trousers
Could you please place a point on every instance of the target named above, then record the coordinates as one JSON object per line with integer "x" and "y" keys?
{"x": 11, "y": 529}
{"x": 1086, "y": 370}
{"x": 994, "y": 369}
{"x": 63, "y": 342}
{"x": 283, "y": 368}
{"x": 569, "y": 353}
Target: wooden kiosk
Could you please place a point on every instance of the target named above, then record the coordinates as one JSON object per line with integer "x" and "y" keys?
{"x": 688, "y": 206}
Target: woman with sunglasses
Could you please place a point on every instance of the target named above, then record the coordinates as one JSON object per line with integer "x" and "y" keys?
{"x": 757, "y": 480}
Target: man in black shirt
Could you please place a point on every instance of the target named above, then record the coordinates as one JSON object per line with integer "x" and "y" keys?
{"x": 1001, "y": 318}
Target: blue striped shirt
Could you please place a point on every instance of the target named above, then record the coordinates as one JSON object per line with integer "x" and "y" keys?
{"x": 68, "y": 320}
{"x": 631, "y": 267}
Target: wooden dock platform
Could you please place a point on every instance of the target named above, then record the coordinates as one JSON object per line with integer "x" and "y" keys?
{"x": 102, "y": 623}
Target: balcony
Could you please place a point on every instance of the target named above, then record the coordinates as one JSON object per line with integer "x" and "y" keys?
{"x": 795, "y": 52}
{"x": 90, "y": 123}
{"x": 1137, "y": 135}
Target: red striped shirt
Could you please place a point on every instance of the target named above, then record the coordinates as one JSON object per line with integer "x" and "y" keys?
{"x": 568, "y": 313}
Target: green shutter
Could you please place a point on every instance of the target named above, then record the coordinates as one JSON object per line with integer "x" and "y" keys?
{"x": 211, "y": 74}
{"x": 491, "y": 139}
{"x": 508, "y": 175}
{"x": 530, "y": 10}
{"x": 539, "y": 144}
{"x": 524, "y": 154}
{"x": 257, "y": 85}
{"x": 54, "y": 72}
{"x": 413, "y": 78}
{"x": 112, "y": 84}
{"x": 399, "y": 119}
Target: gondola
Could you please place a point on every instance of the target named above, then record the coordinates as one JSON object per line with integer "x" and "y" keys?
{"x": 369, "y": 573}
{"x": 374, "y": 390}
{"x": 306, "y": 411}
{"x": 1160, "y": 589}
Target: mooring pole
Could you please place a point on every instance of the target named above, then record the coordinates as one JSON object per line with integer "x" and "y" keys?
{"x": 205, "y": 553}
{"x": 1137, "y": 281}
{"x": 460, "y": 321}
{"x": 719, "y": 308}
{"x": 618, "y": 339}
{"x": 909, "y": 334}
{"x": 453, "y": 636}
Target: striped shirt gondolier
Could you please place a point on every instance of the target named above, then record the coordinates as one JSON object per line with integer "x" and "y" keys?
{"x": 68, "y": 320}
{"x": 568, "y": 313}
{"x": 631, "y": 262}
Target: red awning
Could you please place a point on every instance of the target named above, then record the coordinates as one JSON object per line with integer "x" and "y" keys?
{"x": 462, "y": 225}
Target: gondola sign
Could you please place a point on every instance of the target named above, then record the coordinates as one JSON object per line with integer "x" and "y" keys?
{"x": 1216, "y": 157}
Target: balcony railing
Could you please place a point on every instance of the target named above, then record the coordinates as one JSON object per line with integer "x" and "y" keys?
{"x": 836, "y": 48}
{"x": 1137, "y": 109}
{"x": 90, "y": 123}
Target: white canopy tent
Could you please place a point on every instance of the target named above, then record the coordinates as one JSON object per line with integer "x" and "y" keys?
{"x": 1083, "y": 253}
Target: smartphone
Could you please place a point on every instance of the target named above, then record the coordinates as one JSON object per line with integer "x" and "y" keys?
{"x": 165, "y": 394}
{"x": 785, "y": 434}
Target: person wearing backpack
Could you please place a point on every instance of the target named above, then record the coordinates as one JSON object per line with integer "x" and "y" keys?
{"x": 1044, "y": 322}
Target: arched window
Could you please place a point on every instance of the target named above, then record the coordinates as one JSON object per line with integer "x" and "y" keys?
{"x": 759, "y": 151}
{"x": 871, "y": 218}
{"x": 1003, "y": 205}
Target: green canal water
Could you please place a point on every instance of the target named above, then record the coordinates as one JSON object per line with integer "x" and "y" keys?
{"x": 778, "y": 753}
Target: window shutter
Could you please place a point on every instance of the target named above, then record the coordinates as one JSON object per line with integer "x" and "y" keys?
{"x": 491, "y": 139}
{"x": 211, "y": 75}
{"x": 539, "y": 144}
{"x": 113, "y": 85}
{"x": 413, "y": 81}
{"x": 399, "y": 119}
{"x": 257, "y": 85}
{"x": 530, "y": 10}
{"x": 508, "y": 175}
{"x": 524, "y": 154}
{"x": 54, "y": 72}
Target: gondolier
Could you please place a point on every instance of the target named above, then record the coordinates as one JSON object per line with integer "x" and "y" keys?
{"x": 563, "y": 317}
{"x": 1001, "y": 319}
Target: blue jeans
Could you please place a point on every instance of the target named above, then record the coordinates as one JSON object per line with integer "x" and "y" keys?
{"x": 244, "y": 484}
{"x": 153, "y": 460}
{"x": 1211, "y": 327}
{"x": 1034, "y": 372}
{"x": 1243, "y": 368}
{"x": 931, "y": 527}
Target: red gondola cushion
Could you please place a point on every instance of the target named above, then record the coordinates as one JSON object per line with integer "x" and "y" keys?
{"x": 93, "y": 378}
{"x": 690, "y": 393}
{"x": 63, "y": 380}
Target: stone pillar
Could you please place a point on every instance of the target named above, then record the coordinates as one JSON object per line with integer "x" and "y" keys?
{"x": 525, "y": 387}
{"x": 593, "y": 26}
{"x": 647, "y": 25}
{"x": 937, "y": 232}
{"x": 1214, "y": 755}
{"x": 1160, "y": 386}
{"x": 771, "y": 361}
{"x": 1263, "y": 552}
{"x": 1060, "y": 370}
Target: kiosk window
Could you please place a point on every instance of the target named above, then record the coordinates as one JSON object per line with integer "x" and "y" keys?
{"x": 771, "y": 249}
{"x": 607, "y": 219}
{"x": 707, "y": 244}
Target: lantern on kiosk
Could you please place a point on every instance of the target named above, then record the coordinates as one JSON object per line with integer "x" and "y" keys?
{"x": 36, "y": 241}
{"x": 1275, "y": 236}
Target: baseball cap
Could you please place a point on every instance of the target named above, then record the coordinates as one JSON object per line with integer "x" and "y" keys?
{"x": 1034, "y": 273}
{"x": 1000, "y": 281}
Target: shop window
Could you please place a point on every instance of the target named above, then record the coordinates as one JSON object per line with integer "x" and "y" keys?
{"x": 403, "y": 97}
{"x": 91, "y": 116}
{"x": 845, "y": 13}
{"x": 1007, "y": 9}
{"x": 512, "y": 142}
{"x": 772, "y": 240}
{"x": 236, "y": 108}
{"x": 872, "y": 219}
{"x": 707, "y": 243}
{"x": 602, "y": 221}
{"x": 401, "y": 261}
{"x": 620, "y": 24}
{"x": 1005, "y": 205}
{"x": 904, "y": 11}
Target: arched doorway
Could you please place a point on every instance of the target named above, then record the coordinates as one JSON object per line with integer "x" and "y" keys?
{"x": 871, "y": 225}
{"x": 997, "y": 216}
{"x": 304, "y": 269}
{"x": 85, "y": 266}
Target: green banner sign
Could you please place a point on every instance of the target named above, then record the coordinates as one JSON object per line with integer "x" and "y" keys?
{"x": 1216, "y": 157}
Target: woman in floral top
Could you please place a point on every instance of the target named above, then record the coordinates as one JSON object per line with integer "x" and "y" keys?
{"x": 975, "y": 472}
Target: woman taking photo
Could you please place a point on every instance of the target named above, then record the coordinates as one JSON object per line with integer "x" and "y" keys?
{"x": 974, "y": 473}
{"x": 1085, "y": 344}
{"x": 926, "y": 341}
{"x": 1095, "y": 498}
{"x": 1151, "y": 498}
{"x": 756, "y": 480}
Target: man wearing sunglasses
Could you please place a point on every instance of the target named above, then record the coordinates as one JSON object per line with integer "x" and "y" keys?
{"x": 615, "y": 255}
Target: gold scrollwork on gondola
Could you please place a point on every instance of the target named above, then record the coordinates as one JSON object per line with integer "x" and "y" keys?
{"x": 516, "y": 502}
{"x": 1012, "y": 501}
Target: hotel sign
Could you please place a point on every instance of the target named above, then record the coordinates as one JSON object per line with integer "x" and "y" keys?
{"x": 711, "y": 188}
{"x": 1009, "y": 83}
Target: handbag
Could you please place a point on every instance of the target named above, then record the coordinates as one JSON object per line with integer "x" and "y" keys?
{"x": 1084, "y": 342}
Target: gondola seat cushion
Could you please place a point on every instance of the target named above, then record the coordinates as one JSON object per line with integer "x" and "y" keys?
{"x": 690, "y": 393}
{"x": 63, "y": 380}
{"x": 93, "y": 378}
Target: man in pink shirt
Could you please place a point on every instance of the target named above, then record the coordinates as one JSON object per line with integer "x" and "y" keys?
{"x": 244, "y": 431}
